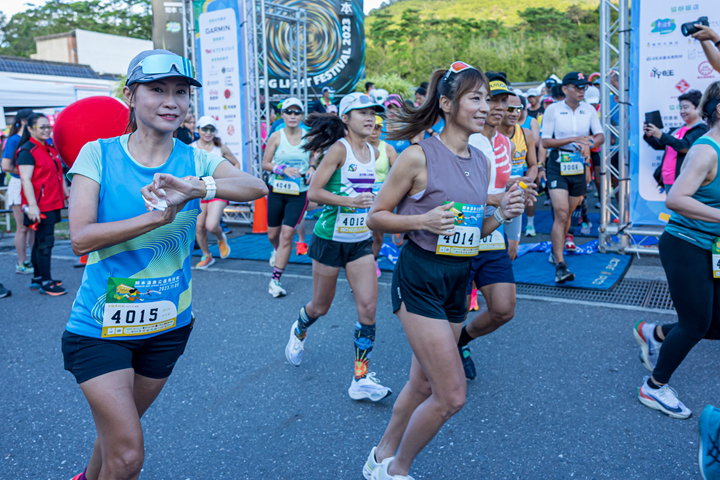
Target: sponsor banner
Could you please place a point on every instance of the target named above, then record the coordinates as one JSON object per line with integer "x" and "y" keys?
{"x": 220, "y": 69}
{"x": 167, "y": 25}
{"x": 335, "y": 48}
{"x": 664, "y": 66}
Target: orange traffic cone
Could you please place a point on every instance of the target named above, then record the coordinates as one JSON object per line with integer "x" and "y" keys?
{"x": 260, "y": 216}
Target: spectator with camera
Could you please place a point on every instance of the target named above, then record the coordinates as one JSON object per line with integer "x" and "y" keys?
{"x": 677, "y": 142}
{"x": 709, "y": 39}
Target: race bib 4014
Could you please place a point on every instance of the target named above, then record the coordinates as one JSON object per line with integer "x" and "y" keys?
{"x": 465, "y": 241}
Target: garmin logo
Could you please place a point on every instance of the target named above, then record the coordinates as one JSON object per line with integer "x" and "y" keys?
{"x": 224, "y": 28}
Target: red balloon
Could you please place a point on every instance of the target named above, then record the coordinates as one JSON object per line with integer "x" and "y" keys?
{"x": 88, "y": 120}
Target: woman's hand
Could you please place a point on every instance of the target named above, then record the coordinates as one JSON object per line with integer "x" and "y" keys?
{"x": 440, "y": 220}
{"x": 652, "y": 131}
{"x": 292, "y": 172}
{"x": 364, "y": 200}
{"x": 513, "y": 203}
{"x": 309, "y": 174}
{"x": 177, "y": 191}
{"x": 33, "y": 213}
{"x": 542, "y": 175}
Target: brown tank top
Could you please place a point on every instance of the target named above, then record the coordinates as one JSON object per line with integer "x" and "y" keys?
{"x": 446, "y": 181}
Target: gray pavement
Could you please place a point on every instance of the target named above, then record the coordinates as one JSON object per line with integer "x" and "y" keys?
{"x": 555, "y": 397}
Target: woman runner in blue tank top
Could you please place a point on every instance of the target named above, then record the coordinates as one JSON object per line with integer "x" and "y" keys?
{"x": 426, "y": 184}
{"x": 690, "y": 255}
{"x": 133, "y": 208}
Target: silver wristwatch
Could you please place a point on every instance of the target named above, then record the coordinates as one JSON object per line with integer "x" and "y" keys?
{"x": 498, "y": 216}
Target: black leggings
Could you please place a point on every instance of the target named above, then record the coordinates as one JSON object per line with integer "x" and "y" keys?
{"x": 696, "y": 296}
{"x": 44, "y": 242}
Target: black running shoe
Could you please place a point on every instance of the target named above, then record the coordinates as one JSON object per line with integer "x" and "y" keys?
{"x": 562, "y": 274}
{"x": 468, "y": 364}
{"x": 52, "y": 289}
{"x": 4, "y": 292}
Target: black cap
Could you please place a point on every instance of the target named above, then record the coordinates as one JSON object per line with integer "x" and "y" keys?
{"x": 576, "y": 78}
{"x": 498, "y": 84}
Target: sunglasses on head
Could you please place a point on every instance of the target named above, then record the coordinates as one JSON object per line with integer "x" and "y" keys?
{"x": 163, "y": 63}
{"x": 455, "y": 68}
{"x": 514, "y": 108}
{"x": 208, "y": 129}
{"x": 292, "y": 112}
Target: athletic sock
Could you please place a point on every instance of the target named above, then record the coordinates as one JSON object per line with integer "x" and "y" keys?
{"x": 304, "y": 321}
{"x": 465, "y": 338}
{"x": 652, "y": 384}
{"x": 655, "y": 336}
{"x": 364, "y": 339}
{"x": 277, "y": 273}
{"x": 531, "y": 221}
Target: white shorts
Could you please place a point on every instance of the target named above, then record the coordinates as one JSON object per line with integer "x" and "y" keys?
{"x": 14, "y": 192}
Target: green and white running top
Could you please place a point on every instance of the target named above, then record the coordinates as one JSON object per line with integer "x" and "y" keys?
{"x": 291, "y": 156}
{"x": 347, "y": 224}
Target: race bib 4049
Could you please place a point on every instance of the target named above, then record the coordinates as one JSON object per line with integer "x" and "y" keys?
{"x": 287, "y": 185}
{"x": 139, "y": 306}
{"x": 465, "y": 241}
{"x": 571, "y": 164}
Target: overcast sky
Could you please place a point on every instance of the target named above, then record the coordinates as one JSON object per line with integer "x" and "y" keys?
{"x": 11, "y": 7}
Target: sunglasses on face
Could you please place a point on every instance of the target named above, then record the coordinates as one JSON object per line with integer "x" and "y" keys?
{"x": 513, "y": 108}
{"x": 44, "y": 128}
{"x": 292, "y": 112}
{"x": 208, "y": 129}
{"x": 581, "y": 87}
{"x": 378, "y": 127}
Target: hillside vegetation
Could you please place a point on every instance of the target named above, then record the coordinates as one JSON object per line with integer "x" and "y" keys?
{"x": 528, "y": 40}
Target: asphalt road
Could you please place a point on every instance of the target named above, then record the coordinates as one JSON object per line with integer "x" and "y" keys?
{"x": 555, "y": 397}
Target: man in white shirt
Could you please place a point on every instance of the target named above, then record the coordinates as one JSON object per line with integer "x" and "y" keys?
{"x": 570, "y": 128}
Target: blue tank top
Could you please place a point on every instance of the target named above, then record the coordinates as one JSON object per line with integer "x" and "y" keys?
{"x": 142, "y": 287}
{"x": 700, "y": 232}
{"x": 527, "y": 123}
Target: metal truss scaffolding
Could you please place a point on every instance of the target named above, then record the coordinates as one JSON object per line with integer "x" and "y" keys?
{"x": 616, "y": 231}
{"x": 258, "y": 15}
{"x": 189, "y": 45}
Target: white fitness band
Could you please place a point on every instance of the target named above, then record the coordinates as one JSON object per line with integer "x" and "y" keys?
{"x": 210, "y": 187}
{"x": 498, "y": 216}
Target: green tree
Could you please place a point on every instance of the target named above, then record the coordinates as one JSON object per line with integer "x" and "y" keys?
{"x": 128, "y": 18}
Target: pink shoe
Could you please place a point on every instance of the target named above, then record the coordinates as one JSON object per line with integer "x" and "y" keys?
{"x": 377, "y": 269}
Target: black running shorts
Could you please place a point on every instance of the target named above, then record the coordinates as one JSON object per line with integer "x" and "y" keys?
{"x": 430, "y": 285}
{"x": 574, "y": 184}
{"x": 286, "y": 209}
{"x": 338, "y": 254}
{"x": 154, "y": 357}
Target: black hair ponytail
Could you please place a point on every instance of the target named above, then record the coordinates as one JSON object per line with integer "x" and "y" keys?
{"x": 325, "y": 129}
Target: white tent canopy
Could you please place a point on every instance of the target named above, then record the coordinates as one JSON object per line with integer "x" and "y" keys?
{"x": 18, "y": 93}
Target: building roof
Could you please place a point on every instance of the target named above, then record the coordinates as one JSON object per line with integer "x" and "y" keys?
{"x": 71, "y": 33}
{"x": 44, "y": 67}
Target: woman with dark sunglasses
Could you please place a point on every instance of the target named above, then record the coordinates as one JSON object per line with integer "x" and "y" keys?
{"x": 439, "y": 187}
{"x": 291, "y": 171}
{"x": 211, "y": 211}
{"x": 44, "y": 194}
{"x": 133, "y": 208}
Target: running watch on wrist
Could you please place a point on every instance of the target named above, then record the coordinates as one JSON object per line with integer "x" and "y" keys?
{"x": 210, "y": 187}
{"x": 498, "y": 216}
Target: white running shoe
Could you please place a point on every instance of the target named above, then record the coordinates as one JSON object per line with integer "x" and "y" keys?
{"x": 294, "y": 348}
{"x": 649, "y": 347}
{"x": 272, "y": 258}
{"x": 382, "y": 474}
{"x": 275, "y": 289}
{"x": 664, "y": 399}
{"x": 371, "y": 464}
{"x": 368, "y": 387}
